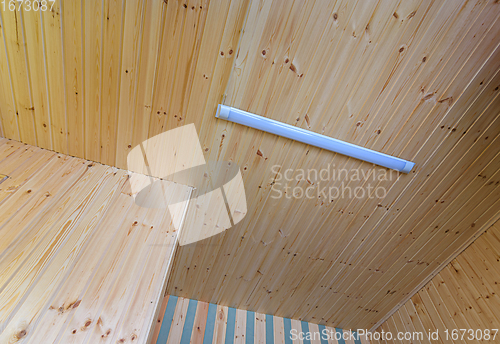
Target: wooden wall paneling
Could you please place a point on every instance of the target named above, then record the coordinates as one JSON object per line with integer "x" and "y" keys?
{"x": 52, "y": 39}
{"x": 13, "y": 31}
{"x": 470, "y": 307}
{"x": 72, "y": 291}
{"x": 173, "y": 24}
{"x": 433, "y": 243}
{"x": 291, "y": 47}
{"x": 112, "y": 34}
{"x": 162, "y": 244}
{"x": 152, "y": 30}
{"x": 305, "y": 163}
{"x": 75, "y": 243}
{"x": 219, "y": 333}
{"x": 408, "y": 324}
{"x": 235, "y": 15}
{"x": 416, "y": 321}
{"x": 35, "y": 52}
{"x": 447, "y": 301}
{"x": 463, "y": 292}
{"x": 253, "y": 187}
{"x": 313, "y": 225}
{"x": 240, "y": 327}
{"x": 464, "y": 125}
{"x": 99, "y": 286}
{"x": 8, "y": 117}
{"x": 297, "y": 326}
{"x": 440, "y": 32}
{"x": 257, "y": 165}
{"x": 187, "y": 320}
{"x": 122, "y": 317}
{"x": 93, "y": 59}
{"x": 263, "y": 64}
{"x": 377, "y": 236}
{"x": 340, "y": 16}
{"x": 73, "y": 59}
{"x": 189, "y": 48}
{"x": 129, "y": 74}
{"x": 260, "y": 328}
{"x": 218, "y": 47}
{"x": 476, "y": 287}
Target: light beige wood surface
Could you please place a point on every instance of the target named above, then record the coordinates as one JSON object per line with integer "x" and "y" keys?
{"x": 417, "y": 79}
{"x": 464, "y": 295}
{"x": 80, "y": 262}
{"x": 189, "y": 321}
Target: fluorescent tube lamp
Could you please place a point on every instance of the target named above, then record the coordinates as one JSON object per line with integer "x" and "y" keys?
{"x": 314, "y": 139}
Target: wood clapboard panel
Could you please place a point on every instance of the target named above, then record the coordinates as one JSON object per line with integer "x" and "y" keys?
{"x": 464, "y": 295}
{"x": 80, "y": 262}
{"x": 417, "y": 79}
{"x": 189, "y": 321}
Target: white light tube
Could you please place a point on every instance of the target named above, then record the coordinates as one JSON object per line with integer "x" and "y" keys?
{"x": 314, "y": 139}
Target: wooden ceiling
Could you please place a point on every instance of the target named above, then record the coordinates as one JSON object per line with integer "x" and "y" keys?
{"x": 417, "y": 79}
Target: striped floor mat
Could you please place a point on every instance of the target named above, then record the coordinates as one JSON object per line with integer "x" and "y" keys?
{"x": 187, "y": 321}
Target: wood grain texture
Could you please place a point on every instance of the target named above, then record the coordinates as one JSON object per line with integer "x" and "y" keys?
{"x": 464, "y": 295}
{"x": 214, "y": 324}
{"x": 80, "y": 261}
{"x": 416, "y": 79}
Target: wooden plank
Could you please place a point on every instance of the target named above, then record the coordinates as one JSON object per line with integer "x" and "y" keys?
{"x": 279, "y": 330}
{"x": 93, "y": 59}
{"x": 81, "y": 261}
{"x": 8, "y": 116}
{"x": 219, "y": 334}
{"x": 241, "y": 327}
{"x": 73, "y": 51}
{"x": 159, "y": 319}
{"x": 52, "y": 38}
{"x": 260, "y": 329}
{"x": 35, "y": 49}
{"x": 12, "y": 26}
{"x": 129, "y": 74}
{"x": 200, "y": 323}
{"x": 111, "y": 71}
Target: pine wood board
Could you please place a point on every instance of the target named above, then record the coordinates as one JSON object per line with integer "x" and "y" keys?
{"x": 80, "y": 260}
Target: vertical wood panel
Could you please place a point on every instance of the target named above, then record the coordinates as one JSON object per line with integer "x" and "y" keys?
{"x": 112, "y": 50}
{"x": 52, "y": 38}
{"x": 12, "y": 24}
{"x": 93, "y": 57}
{"x": 38, "y": 77}
{"x": 72, "y": 15}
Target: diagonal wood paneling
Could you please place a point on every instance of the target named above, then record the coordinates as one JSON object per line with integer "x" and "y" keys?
{"x": 417, "y": 79}
{"x": 464, "y": 295}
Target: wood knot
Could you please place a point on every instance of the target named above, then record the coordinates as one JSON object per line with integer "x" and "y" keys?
{"x": 21, "y": 334}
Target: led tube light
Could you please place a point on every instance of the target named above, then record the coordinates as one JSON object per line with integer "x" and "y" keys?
{"x": 314, "y": 139}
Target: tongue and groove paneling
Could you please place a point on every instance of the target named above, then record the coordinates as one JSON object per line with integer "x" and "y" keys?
{"x": 416, "y": 79}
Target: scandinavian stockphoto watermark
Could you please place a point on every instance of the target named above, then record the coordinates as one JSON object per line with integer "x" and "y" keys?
{"x": 330, "y": 183}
